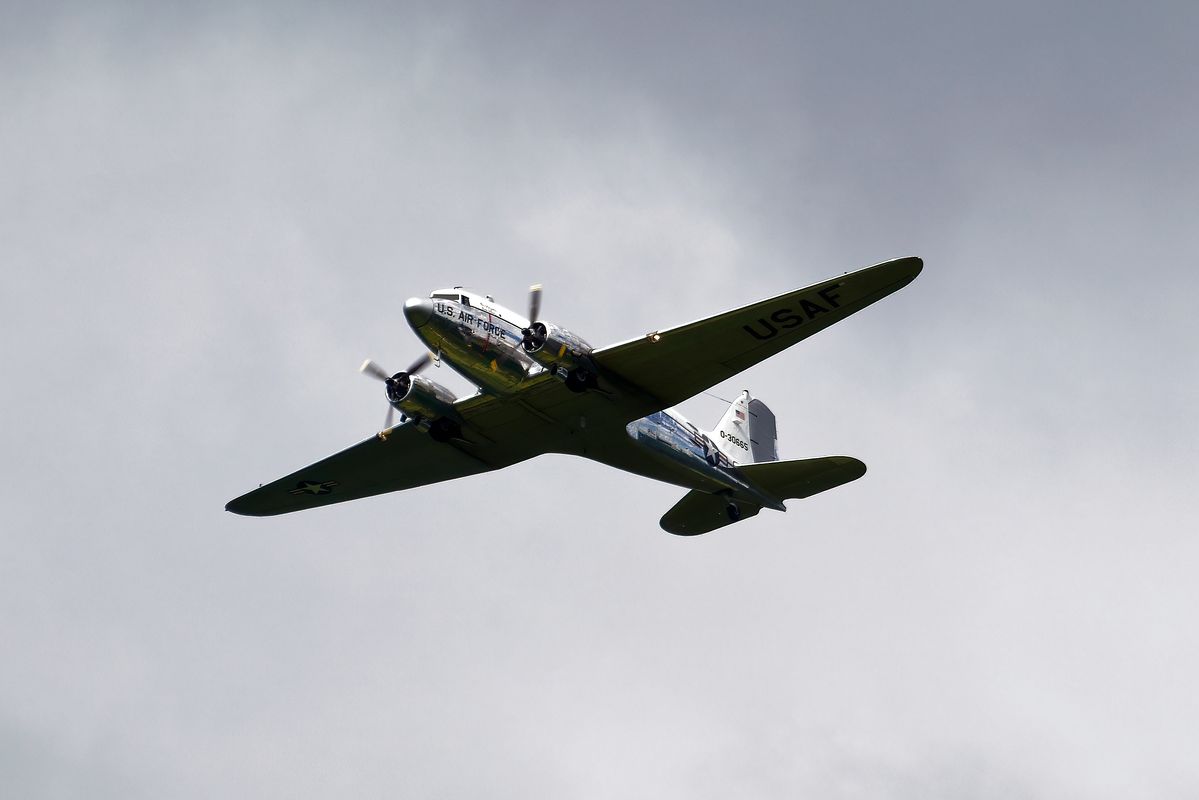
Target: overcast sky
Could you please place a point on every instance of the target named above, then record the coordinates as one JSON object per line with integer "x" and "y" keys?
{"x": 208, "y": 218}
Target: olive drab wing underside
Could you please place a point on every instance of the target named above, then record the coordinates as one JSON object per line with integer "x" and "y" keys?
{"x": 675, "y": 364}
{"x": 401, "y": 459}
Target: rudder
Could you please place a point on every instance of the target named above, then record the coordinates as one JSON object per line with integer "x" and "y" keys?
{"x": 747, "y": 433}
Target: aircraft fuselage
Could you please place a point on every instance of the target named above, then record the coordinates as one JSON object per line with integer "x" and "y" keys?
{"x": 478, "y": 339}
{"x": 481, "y": 340}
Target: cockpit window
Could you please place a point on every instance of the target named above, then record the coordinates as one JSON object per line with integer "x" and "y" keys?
{"x": 446, "y": 296}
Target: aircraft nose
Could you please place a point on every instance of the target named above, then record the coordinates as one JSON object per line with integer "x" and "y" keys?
{"x": 418, "y": 310}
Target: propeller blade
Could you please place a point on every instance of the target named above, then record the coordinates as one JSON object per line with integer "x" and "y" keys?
{"x": 390, "y": 420}
{"x": 373, "y": 370}
{"x": 420, "y": 363}
{"x": 534, "y": 302}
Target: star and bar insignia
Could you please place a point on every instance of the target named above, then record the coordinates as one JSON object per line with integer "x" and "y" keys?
{"x": 313, "y": 487}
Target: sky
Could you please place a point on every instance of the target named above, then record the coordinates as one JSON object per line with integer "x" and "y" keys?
{"x": 209, "y": 216}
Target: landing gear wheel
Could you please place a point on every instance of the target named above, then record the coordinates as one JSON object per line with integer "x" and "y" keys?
{"x": 442, "y": 430}
{"x": 733, "y": 511}
{"x": 580, "y": 380}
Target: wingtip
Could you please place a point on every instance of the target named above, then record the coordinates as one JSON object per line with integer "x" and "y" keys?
{"x": 906, "y": 269}
{"x": 903, "y": 269}
{"x": 232, "y": 508}
{"x": 910, "y": 264}
{"x": 242, "y": 507}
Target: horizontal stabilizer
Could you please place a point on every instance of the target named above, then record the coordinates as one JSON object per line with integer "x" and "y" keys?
{"x": 803, "y": 477}
{"x": 699, "y": 512}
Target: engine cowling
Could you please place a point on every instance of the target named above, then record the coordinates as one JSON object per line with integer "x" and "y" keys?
{"x": 430, "y": 405}
{"x": 560, "y": 352}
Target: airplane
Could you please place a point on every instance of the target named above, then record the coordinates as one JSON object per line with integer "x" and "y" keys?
{"x": 542, "y": 389}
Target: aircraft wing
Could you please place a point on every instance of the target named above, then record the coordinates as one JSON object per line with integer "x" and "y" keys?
{"x": 407, "y": 458}
{"x": 673, "y": 365}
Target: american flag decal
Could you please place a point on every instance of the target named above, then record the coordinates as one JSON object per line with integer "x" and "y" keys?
{"x": 739, "y": 413}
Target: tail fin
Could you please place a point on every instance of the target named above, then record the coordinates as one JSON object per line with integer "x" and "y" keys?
{"x": 746, "y": 433}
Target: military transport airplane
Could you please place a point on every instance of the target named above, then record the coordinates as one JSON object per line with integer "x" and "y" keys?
{"x": 544, "y": 390}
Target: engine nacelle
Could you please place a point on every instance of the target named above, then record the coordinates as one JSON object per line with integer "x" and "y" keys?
{"x": 430, "y": 405}
{"x": 560, "y": 352}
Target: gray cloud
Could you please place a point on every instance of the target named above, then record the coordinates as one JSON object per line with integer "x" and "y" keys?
{"x": 211, "y": 216}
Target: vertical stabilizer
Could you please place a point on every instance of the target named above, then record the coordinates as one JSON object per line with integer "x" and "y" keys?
{"x": 764, "y": 438}
{"x": 746, "y": 432}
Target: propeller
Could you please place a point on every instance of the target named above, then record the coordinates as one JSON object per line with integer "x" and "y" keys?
{"x": 534, "y": 302}
{"x": 397, "y": 384}
{"x": 374, "y": 370}
{"x": 533, "y": 336}
{"x": 426, "y": 358}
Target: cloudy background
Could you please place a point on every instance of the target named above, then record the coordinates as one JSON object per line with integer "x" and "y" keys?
{"x": 208, "y": 218}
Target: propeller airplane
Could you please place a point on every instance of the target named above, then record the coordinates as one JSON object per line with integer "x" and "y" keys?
{"x": 542, "y": 389}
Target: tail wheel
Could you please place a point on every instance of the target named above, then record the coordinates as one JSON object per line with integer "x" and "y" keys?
{"x": 734, "y": 512}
